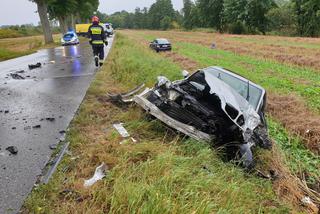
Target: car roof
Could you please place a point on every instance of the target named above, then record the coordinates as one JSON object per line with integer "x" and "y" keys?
{"x": 162, "y": 39}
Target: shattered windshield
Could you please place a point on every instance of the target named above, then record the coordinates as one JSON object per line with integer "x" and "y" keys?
{"x": 253, "y": 95}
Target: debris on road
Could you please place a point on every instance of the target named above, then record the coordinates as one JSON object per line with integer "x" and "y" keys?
{"x": 6, "y": 111}
{"x": 36, "y": 127}
{"x": 99, "y": 173}
{"x": 38, "y": 65}
{"x": 122, "y": 131}
{"x": 51, "y": 119}
{"x": 213, "y": 46}
{"x": 12, "y": 149}
{"x": 53, "y": 146}
{"x": 212, "y": 105}
{"x": 17, "y": 76}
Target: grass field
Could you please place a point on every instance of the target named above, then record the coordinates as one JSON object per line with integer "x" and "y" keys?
{"x": 167, "y": 173}
{"x": 15, "y": 47}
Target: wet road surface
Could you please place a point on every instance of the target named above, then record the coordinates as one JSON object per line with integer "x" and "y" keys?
{"x": 53, "y": 91}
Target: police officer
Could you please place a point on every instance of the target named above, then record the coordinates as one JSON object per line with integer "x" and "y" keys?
{"x": 97, "y": 40}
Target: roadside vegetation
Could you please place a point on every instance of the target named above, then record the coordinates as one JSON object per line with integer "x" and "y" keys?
{"x": 274, "y": 17}
{"x": 15, "y": 47}
{"x": 163, "y": 172}
{"x": 15, "y": 31}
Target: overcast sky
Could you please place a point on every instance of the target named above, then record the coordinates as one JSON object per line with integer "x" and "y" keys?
{"x": 23, "y": 11}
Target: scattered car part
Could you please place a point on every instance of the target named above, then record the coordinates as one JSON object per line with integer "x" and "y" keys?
{"x": 12, "y": 149}
{"x": 122, "y": 131}
{"x": 160, "y": 45}
{"x": 126, "y": 97}
{"x": 17, "y": 76}
{"x": 99, "y": 173}
{"x": 213, "y": 105}
{"x": 34, "y": 66}
{"x": 45, "y": 179}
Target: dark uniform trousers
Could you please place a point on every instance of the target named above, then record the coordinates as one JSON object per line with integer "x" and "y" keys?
{"x": 98, "y": 50}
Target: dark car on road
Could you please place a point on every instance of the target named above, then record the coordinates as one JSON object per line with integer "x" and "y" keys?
{"x": 161, "y": 45}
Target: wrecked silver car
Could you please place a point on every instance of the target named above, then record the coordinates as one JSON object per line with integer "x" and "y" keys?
{"x": 213, "y": 105}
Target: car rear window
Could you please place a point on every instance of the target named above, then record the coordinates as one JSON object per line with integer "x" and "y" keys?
{"x": 68, "y": 36}
{"x": 162, "y": 41}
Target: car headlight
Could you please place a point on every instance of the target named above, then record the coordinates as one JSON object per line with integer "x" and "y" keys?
{"x": 158, "y": 46}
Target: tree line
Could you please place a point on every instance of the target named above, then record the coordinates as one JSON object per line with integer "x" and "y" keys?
{"x": 67, "y": 12}
{"x": 285, "y": 17}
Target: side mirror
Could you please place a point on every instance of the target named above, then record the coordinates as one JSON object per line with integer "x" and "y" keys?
{"x": 185, "y": 74}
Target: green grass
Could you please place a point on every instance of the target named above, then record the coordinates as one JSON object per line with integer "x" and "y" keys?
{"x": 7, "y": 54}
{"x": 15, "y": 47}
{"x": 299, "y": 159}
{"x": 273, "y": 76}
{"x": 163, "y": 173}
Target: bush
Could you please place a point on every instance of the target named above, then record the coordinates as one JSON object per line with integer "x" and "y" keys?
{"x": 238, "y": 28}
{"x": 8, "y": 33}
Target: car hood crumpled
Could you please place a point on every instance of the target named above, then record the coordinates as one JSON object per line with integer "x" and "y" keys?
{"x": 228, "y": 95}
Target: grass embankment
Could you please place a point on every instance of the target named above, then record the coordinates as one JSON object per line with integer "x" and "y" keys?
{"x": 162, "y": 173}
{"x": 283, "y": 80}
{"x": 15, "y": 47}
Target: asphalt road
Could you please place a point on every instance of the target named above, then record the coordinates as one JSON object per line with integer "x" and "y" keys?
{"x": 26, "y": 107}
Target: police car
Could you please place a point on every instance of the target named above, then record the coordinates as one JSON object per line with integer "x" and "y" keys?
{"x": 70, "y": 38}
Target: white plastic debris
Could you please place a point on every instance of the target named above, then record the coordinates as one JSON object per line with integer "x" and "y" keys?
{"x": 122, "y": 131}
{"x": 134, "y": 140}
{"x": 98, "y": 175}
{"x": 306, "y": 200}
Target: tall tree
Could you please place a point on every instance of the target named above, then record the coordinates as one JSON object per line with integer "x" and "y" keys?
{"x": 308, "y": 17}
{"x": 187, "y": 14}
{"x": 160, "y": 12}
{"x": 45, "y": 24}
{"x": 62, "y": 10}
{"x": 211, "y": 13}
{"x": 257, "y": 11}
{"x": 235, "y": 10}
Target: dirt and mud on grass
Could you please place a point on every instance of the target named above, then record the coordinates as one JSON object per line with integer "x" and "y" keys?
{"x": 163, "y": 172}
{"x": 15, "y": 47}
